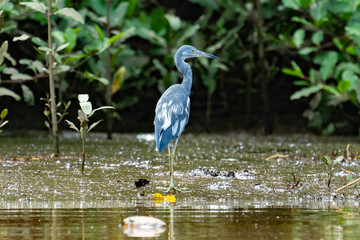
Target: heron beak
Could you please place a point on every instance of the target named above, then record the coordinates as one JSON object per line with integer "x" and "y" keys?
{"x": 204, "y": 54}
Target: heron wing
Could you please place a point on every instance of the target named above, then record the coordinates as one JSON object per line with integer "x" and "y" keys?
{"x": 171, "y": 115}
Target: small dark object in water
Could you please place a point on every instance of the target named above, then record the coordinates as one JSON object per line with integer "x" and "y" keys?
{"x": 141, "y": 182}
{"x": 231, "y": 173}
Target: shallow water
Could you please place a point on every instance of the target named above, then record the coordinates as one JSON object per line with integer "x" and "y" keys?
{"x": 229, "y": 187}
{"x": 218, "y": 221}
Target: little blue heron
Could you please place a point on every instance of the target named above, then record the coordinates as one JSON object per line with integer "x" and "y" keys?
{"x": 173, "y": 108}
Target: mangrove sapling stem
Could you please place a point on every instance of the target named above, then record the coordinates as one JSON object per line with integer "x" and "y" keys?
{"x": 329, "y": 175}
{"x": 53, "y": 107}
{"x": 108, "y": 93}
{"x": 83, "y": 150}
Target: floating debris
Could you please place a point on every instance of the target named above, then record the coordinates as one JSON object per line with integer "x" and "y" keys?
{"x": 141, "y": 182}
{"x": 148, "y": 137}
{"x": 277, "y": 156}
{"x": 143, "y": 226}
{"x": 213, "y": 172}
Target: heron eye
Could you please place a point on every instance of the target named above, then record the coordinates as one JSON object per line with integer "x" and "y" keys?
{"x": 193, "y": 51}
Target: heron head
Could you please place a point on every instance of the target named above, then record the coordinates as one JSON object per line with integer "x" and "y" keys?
{"x": 187, "y": 51}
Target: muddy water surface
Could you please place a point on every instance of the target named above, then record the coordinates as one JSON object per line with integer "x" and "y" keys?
{"x": 229, "y": 186}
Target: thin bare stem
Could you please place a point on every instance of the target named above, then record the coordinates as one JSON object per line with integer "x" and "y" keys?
{"x": 108, "y": 72}
{"x": 83, "y": 149}
{"x": 54, "y": 121}
{"x": 347, "y": 185}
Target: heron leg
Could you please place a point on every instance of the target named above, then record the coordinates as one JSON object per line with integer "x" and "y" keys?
{"x": 171, "y": 164}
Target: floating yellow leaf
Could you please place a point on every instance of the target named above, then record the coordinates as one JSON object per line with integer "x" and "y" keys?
{"x": 117, "y": 81}
{"x": 170, "y": 198}
{"x": 167, "y": 198}
{"x": 158, "y": 196}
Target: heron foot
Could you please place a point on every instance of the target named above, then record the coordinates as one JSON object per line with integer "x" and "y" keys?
{"x": 173, "y": 189}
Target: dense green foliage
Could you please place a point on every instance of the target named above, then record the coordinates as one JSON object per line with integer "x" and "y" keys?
{"x": 121, "y": 52}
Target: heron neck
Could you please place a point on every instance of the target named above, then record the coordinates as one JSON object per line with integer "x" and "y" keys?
{"x": 186, "y": 71}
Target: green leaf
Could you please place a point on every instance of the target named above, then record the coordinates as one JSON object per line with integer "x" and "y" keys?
{"x": 10, "y": 70}
{"x": 86, "y": 107}
{"x": 328, "y": 64}
{"x": 83, "y": 97}
{"x": 100, "y": 108}
{"x": 94, "y": 125}
{"x": 38, "y": 42}
{"x": 327, "y": 131}
{"x": 330, "y": 89}
{"x": 307, "y": 50}
{"x": 61, "y": 69}
{"x": 338, "y": 43}
{"x": 298, "y": 37}
{"x": 70, "y": 12}
{"x": 338, "y": 160}
{"x": 28, "y": 95}
{"x": 343, "y": 86}
{"x": 4, "y": 123}
{"x": 47, "y": 124}
{"x": 187, "y": 33}
{"x": 352, "y": 78}
{"x": 45, "y": 49}
{"x": 302, "y": 20}
{"x": 100, "y": 33}
{"x": 159, "y": 66}
{"x": 305, "y": 3}
{"x": 292, "y": 72}
{"x": 3, "y": 50}
{"x": 341, "y": 67}
{"x": 353, "y": 30}
{"x": 4, "y": 113}
{"x": 21, "y": 76}
{"x": 317, "y": 37}
{"x": 2, "y": 3}
{"x": 22, "y": 37}
{"x": 312, "y": 75}
{"x": 71, "y": 125}
{"x": 70, "y": 37}
{"x": 151, "y": 35}
{"x": 119, "y": 14}
{"x": 319, "y": 9}
{"x": 115, "y": 37}
{"x": 93, "y": 77}
{"x": 7, "y": 92}
{"x": 174, "y": 21}
{"x": 305, "y": 92}
{"x": 301, "y": 83}
{"x": 63, "y": 46}
{"x": 326, "y": 160}
{"x": 293, "y": 4}
{"x": 37, "y": 6}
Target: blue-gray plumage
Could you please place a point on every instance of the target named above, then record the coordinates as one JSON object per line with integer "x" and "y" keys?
{"x": 173, "y": 108}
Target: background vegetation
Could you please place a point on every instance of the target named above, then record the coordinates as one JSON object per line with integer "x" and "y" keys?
{"x": 285, "y": 65}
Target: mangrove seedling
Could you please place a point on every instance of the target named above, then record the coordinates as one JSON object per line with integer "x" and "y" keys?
{"x": 50, "y": 51}
{"x": 84, "y": 113}
{"x": 331, "y": 163}
{"x": 3, "y": 122}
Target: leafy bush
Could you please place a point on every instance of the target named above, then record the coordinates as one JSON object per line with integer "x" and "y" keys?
{"x": 325, "y": 34}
